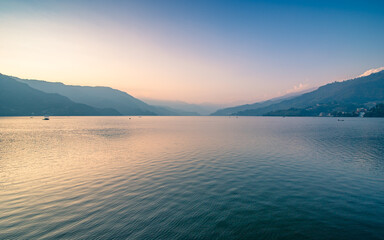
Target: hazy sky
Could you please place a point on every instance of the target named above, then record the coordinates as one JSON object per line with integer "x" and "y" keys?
{"x": 194, "y": 51}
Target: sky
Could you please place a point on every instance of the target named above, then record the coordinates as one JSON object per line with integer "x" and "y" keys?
{"x": 222, "y": 52}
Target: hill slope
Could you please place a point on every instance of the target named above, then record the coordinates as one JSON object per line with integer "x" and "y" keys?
{"x": 338, "y": 96}
{"x": 102, "y": 97}
{"x": 233, "y": 110}
{"x": 19, "y": 99}
{"x": 96, "y": 97}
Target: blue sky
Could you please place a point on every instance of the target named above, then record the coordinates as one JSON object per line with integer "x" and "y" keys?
{"x": 195, "y": 51}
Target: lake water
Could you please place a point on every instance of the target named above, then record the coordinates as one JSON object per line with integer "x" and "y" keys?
{"x": 191, "y": 178}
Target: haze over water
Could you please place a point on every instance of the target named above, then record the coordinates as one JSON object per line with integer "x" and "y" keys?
{"x": 191, "y": 178}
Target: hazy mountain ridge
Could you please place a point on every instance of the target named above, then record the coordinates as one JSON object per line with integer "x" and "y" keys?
{"x": 338, "y": 96}
{"x": 95, "y": 96}
{"x": 200, "y": 109}
{"x": 19, "y": 99}
{"x": 176, "y": 111}
{"x": 103, "y": 97}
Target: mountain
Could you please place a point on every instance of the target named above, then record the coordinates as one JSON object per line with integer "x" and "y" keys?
{"x": 236, "y": 109}
{"x": 376, "y": 111}
{"x": 101, "y": 97}
{"x": 360, "y": 92}
{"x": 195, "y": 109}
{"x": 19, "y": 99}
{"x": 175, "y": 111}
{"x": 233, "y": 110}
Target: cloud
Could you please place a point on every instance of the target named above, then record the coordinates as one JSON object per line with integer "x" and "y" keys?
{"x": 298, "y": 88}
{"x": 370, "y": 71}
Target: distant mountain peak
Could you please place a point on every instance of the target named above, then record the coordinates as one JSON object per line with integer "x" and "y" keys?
{"x": 371, "y": 71}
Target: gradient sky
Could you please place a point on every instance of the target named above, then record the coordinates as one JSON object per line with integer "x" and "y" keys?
{"x": 194, "y": 51}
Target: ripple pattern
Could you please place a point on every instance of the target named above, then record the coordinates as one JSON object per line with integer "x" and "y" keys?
{"x": 191, "y": 178}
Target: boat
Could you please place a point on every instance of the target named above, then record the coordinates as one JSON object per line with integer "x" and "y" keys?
{"x": 46, "y": 118}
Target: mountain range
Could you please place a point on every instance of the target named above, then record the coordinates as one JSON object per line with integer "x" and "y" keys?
{"x": 201, "y": 109}
{"x": 94, "y": 100}
{"x": 329, "y": 100}
{"x": 24, "y": 97}
{"x": 19, "y": 99}
{"x": 233, "y": 110}
{"x": 105, "y": 97}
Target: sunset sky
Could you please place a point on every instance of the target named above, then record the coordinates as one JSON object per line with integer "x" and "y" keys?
{"x": 194, "y": 51}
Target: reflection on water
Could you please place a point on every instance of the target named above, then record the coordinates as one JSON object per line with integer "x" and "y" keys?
{"x": 191, "y": 177}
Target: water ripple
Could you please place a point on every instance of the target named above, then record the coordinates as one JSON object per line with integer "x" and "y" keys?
{"x": 191, "y": 178}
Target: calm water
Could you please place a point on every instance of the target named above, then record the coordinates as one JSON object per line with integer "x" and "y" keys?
{"x": 191, "y": 178}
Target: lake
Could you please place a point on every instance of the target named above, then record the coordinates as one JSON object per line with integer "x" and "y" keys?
{"x": 191, "y": 178}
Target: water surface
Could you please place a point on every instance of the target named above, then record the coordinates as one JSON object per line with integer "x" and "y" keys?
{"x": 191, "y": 178}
